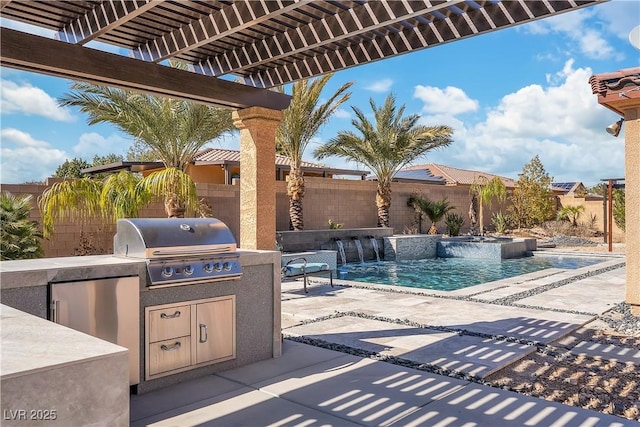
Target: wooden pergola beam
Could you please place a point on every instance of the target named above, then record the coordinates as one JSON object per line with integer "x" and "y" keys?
{"x": 42, "y": 55}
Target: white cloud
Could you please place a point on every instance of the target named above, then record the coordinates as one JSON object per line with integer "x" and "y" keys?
{"x": 30, "y": 100}
{"x": 561, "y": 122}
{"x": 92, "y": 143}
{"x": 588, "y": 28}
{"x": 341, "y": 113}
{"x": 21, "y": 138}
{"x": 451, "y": 100}
{"x": 380, "y": 86}
{"x": 24, "y": 158}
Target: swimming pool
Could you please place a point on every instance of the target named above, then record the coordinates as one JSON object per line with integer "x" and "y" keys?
{"x": 449, "y": 274}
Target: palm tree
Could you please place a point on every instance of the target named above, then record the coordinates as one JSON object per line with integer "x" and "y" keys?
{"x": 385, "y": 146}
{"x": 435, "y": 211}
{"x": 175, "y": 130}
{"x": 84, "y": 200}
{"x": 486, "y": 190}
{"x": 301, "y": 121}
{"x": 571, "y": 214}
{"x": 20, "y": 237}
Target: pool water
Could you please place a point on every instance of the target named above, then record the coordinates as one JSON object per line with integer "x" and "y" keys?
{"x": 449, "y": 274}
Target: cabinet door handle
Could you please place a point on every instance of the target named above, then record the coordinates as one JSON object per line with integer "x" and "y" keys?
{"x": 170, "y": 316}
{"x": 55, "y": 311}
{"x": 204, "y": 334}
{"x": 175, "y": 346}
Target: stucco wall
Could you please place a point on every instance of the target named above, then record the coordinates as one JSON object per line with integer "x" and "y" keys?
{"x": 349, "y": 202}
{"x": 592, "y": 207}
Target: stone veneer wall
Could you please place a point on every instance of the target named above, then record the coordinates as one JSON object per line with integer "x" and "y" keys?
{"x": 410, "y": 247}
{"x": 306, "y": 240}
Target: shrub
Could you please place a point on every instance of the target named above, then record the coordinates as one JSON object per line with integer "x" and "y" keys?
{"x": 500, "y": 222}
{"x": 334, "y": 225}
{"x": 453, "y": 222}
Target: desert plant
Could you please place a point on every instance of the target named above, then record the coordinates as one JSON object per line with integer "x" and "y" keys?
{"x": 385, "y": 146}
{"x": 592, "y": 221}
{"x": 454, "y": 222}
{"x": 500, "y": 222}
{"x": 486, "y": 190}
{"x": 334, "y": 225}
{"x": 20, "y": 236}
{"x": 414, "y": 202}
{"x": 618, "y": 208}
{"x": 571, "y": 214}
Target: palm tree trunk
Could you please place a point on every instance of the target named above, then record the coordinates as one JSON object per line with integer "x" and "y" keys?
{"x": 383, "y": 201}
{"x": 295, "y": 191}
{"x": 295, "y": 214}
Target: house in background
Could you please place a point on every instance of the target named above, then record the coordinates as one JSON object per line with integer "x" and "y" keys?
{"x": 446, "y": 175}
{"x": 222, "y": 166}
{"x": 576, "y": 189}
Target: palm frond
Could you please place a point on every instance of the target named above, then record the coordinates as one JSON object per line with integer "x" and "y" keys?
{"x": 71, "y": 200}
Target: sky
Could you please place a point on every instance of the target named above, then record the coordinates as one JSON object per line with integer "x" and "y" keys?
{"x": 508, "y": 95}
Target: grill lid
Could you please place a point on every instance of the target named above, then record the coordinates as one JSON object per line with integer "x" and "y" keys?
{"x": 150, "y": 238}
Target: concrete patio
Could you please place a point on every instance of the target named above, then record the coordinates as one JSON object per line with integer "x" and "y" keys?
{"x": 472, "y": 332}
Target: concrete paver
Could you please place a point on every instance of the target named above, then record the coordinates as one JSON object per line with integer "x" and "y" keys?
{"x": 346, "y": 390}
{"x": 607, "y": 287}
{"x": 468, "y": 354}
{"x": 311, "y": 386}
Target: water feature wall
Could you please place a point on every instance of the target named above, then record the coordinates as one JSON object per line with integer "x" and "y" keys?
{"x": 489, "y": 248}
{"x": 349, "y": 238}
{"x": 410, "y": 246}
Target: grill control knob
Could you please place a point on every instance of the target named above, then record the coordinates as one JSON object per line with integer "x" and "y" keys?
{"x": 167, "y": 271}
{"x": 217, "y": 266}
{"x": 226, "y": 266}
{"x": 208, "y": 267}
{"x": 188, "y": 270}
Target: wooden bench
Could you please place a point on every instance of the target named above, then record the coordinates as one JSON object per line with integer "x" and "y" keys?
{"x": 299, "y": 267}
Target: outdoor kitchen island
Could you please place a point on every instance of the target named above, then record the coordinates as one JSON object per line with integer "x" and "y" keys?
{"x": 253, "y": 298}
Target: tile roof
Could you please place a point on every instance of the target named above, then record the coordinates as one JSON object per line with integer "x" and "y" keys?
{"x": 617, "y": 90}
{"x": 418, "y": 175}
{"x": 455, "y": 176}
{"x": 221, "y": 155}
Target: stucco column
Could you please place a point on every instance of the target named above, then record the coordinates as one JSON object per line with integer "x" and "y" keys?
{"x": 257, "y": 176}
{"x": 632, "y": 205}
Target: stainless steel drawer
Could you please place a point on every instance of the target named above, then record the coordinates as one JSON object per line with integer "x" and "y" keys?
{"x": 169, "y": 323}
{"x": 169, "y": 355}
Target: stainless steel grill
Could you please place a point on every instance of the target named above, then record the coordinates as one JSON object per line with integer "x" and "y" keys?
{"x": 179, "y": 251}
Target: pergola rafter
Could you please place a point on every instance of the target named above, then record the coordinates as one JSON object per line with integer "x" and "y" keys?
{"x": 268, "y": 43}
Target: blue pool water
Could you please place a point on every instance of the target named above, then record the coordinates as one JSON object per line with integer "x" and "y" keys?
{"x": 449, "y": 274}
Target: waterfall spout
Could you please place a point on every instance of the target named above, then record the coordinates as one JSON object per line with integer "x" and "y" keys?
{"x": 374, "y": 244}
{"x": 359, "y": 248}
{"x": 343, "y": 256}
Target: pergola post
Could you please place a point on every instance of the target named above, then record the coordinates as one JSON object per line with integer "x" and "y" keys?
{"x": 257, "y": 181}
{"x": 632, "y": 202}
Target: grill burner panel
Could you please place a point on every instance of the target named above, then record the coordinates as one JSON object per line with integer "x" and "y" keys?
{"x": 179, "y": 251}
{"x": 190, "y": 271}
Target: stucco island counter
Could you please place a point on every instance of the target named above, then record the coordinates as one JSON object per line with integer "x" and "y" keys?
{"x": 182, "y": 332}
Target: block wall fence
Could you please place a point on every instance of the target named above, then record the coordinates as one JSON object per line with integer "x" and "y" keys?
{"x": 348, "y": 202}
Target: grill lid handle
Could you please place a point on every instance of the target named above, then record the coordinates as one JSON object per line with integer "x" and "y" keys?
{"x": 193, "y": 251}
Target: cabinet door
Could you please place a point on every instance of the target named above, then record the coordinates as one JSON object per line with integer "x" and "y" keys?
{"x": 215, "y": 322}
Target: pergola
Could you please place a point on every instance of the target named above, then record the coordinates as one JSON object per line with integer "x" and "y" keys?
{"x": 264, "y": 43}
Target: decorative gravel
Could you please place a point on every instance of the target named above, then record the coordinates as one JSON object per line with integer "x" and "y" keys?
{"x": 566, "y": 241}
{"x": 551, "y": 373}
